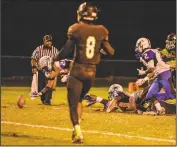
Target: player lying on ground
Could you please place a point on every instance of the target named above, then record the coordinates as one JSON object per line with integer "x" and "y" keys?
{"x": 52, "y": 70}
{"x": 117, "y": 99}
{"x": 120, "y": 100}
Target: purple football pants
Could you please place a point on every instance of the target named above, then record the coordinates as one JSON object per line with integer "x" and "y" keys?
{"x": 160, "y": 82}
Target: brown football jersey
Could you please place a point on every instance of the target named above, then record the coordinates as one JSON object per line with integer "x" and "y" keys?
{"x": 89, "y": 40}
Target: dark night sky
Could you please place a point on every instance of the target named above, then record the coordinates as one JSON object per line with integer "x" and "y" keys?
{"x": 25, "y": 22}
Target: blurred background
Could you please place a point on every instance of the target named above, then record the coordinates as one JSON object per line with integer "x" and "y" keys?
{"x": 25, "y": 22}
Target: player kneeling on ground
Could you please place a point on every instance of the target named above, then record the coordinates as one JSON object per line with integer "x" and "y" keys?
{"x": 52, "y": 70}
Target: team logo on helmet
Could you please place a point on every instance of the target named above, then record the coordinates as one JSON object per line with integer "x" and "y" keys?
{"x": 142, "y": 44}
{"x": 114, "y": 90}
{"x": 171, "y": 41}
{"x": 87, "y": 12}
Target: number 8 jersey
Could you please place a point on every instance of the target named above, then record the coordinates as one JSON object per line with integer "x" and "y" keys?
{"x": 89, "y": 40}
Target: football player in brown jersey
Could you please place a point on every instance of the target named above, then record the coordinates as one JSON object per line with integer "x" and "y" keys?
{"x": 87, "y": 39}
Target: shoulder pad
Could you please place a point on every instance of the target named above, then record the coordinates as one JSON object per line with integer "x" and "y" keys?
{"x": 105, "y": 30}
{"x": 148, "y": 55}
{"x": 73, "y": 28}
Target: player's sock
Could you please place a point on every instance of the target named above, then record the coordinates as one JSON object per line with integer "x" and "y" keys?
{"x": 104, "y": 102}
{"x": 77, "y": 128}
{"x": 44, "y": 90}
{"x": 99, "y": 99}
{"x": 158, "y": 106}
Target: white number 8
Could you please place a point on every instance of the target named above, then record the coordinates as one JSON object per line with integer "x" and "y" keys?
{"x": 90, "y": 47}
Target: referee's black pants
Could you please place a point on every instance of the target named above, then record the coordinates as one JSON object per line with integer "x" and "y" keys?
{"x": 42, "y": 82}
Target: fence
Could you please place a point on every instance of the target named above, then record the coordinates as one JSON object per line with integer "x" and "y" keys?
{"x": 16, "y": 71}
{"x": 21, "y": 66}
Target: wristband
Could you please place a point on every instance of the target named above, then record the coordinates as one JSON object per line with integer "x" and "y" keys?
{"x": 34, "y": 66}
{"x": 51, "y": 78}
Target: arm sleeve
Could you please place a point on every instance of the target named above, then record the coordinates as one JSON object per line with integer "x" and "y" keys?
{"x": 159, "y": 59}
{"x": 108, "y": 48}
{"x": 150, "y": 64}
{"x": 105, "y": 43}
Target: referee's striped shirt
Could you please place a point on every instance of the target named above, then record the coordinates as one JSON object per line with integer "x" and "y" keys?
{"x": 40, "y": 52}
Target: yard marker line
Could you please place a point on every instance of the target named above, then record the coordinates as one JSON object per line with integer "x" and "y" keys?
{"x": 88, "y": 131}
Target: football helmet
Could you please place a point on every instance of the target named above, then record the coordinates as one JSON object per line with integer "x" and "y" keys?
{"x": 171, "y": 42}
{"x": 114, "y": 90}
{"x": 44, "y": 62}
{"x": 137, "y": 54}
{"x": 87, "y": 12}
{"x": 142, "y": 44}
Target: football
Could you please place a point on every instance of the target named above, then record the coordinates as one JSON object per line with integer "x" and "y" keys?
{"x": 21, "y": 101}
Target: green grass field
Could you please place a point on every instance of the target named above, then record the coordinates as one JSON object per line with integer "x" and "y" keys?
{"x": 37, "y": 124}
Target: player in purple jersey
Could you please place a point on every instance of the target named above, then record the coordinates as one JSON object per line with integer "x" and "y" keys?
{"x": 51, "y": 70}
{"x": 151, "y": 58}
{"x": 118, "y": 99}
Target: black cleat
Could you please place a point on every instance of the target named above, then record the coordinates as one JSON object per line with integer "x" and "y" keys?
{"x": 89, "y": 103}
{"x": 46, "y": 102}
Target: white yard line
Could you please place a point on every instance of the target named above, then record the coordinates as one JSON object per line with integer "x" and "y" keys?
{"x": 88, "y": 131}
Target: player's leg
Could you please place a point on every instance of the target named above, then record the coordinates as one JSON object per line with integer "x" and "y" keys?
{"x": 92, "y": 99}
{"x": 74, "y": 88}
{"x": 153, "y": 90}
{"x": 86, "y": 87}
{"x": 41, "y": 83}
{"x": 113, "y": 104}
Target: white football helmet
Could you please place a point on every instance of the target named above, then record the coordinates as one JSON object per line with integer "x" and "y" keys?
{"x": 45, "y": 61}
{"x": 142, "y": 44}
{"x": 114, "y": 90}
{"x": 116, "y": 87}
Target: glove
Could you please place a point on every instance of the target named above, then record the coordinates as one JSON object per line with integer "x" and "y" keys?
{"x": 103, "y": 52}
{"x": 64, "y": 79}
{"x": 140, "y": 82}
{"x": 141, "y": 71}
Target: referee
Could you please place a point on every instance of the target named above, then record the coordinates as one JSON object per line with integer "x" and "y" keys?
{"x": 43, "y": 50}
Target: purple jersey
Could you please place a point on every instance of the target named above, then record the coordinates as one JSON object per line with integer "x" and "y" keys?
{"x": 124, "y": 96}
{"x": 148, "y": 55}
{"x": 63, "y": 64}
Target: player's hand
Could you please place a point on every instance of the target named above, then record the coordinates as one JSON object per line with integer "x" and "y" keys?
{"x": 103, "y": 52}
{"x": 140, "y": 82}
{"x": 141, "y": 71}
{"x": 34, "y": 70}
{"x": 64, "y": 79}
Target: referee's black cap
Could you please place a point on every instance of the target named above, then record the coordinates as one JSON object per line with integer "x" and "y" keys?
{"x": 47, "y": 38}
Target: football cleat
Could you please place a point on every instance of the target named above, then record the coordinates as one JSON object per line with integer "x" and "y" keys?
{"x": 90, "y": 100}
{"x": 79, "y": 139}
{"x": 161, "y": 112}
{"x": 89, "y": 103}
{"x": 33, "y": 95}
